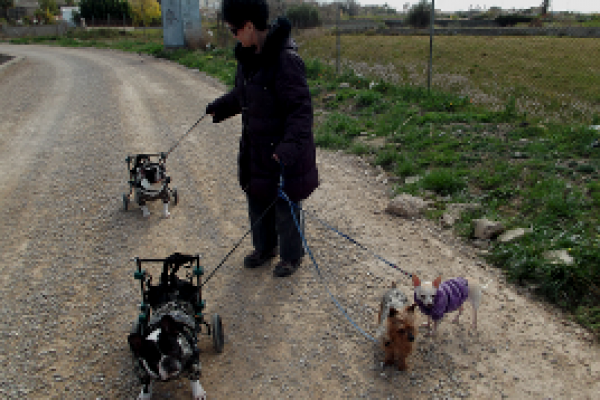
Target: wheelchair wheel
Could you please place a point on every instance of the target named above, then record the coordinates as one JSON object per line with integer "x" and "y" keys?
{"x": 217, "y": 333}
{"x": 175, "y": 196}
{"x": 125, "y": 202}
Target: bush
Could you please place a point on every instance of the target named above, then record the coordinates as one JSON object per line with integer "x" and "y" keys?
{"x": 443, "y": 182}
{"x": 419, "y": 15}
{"x": 303, "y": 16}
{"x": 512, "y": 20}
{"x": 101, "y": 9}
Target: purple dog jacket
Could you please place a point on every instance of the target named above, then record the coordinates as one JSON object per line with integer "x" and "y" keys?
{"x": 449, "y": 296}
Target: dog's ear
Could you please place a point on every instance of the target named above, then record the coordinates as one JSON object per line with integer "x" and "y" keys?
{"x": 416, "y": 280}
{"x": 135, "y": 342}
{"x": 437, "y": 281}
{"x": 411, "y": 309}
{"x": 393, "y": 312}
{"x": 168, "y": 324}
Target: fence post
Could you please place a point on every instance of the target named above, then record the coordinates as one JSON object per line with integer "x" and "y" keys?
{"x": 93, "y": 20}
{"x": 338, "y": 45}
{"x": 431, "y": 20}
{"x": 108, "y": 23}
{"x": 123, "y": 21}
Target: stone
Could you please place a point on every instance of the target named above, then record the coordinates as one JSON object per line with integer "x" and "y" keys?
{"x": 559, "y": 257}
{"x": 449, "y": 219}
{"x": 513, "y": 234}
{"x": 486, "y": 229}
{"x": 412, "y": 179}
{"x": 406, "y": 205}
{"x": 454, "y": 211}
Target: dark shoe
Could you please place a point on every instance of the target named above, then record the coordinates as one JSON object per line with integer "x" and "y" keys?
{"x": 256, "y": 259}
{"x": 286, "y": 268}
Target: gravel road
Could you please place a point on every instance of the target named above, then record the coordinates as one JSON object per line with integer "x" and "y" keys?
{"x": 68, "y": 119}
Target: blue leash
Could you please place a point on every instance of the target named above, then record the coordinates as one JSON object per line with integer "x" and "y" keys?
{"x": 339, "y": 306}
{"x": 363, "y": 247}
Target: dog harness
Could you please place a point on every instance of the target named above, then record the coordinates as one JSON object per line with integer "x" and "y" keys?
{"x": 182, "y": 313}
{"x": 450, "y": 295}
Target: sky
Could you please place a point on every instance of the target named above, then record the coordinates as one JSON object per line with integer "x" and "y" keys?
{"x": 582, "y": 6}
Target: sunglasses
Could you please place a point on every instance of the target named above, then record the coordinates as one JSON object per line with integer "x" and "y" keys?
{"x": 234, "y": 30}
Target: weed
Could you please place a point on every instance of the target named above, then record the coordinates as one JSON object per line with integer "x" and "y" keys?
{"x": 443, "y": 181}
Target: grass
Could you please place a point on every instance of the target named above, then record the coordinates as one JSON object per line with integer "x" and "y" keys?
{"x": 526, "y": 169}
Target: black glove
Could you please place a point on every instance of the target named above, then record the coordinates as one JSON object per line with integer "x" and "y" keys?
{"x": 210, "y": 109}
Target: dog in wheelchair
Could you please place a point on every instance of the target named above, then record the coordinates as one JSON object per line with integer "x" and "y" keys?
{"x": 164, "y": 339}
{"x": 148, "y": 181}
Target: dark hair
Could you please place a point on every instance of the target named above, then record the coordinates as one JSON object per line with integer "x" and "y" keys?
{"x": 238, "y": 12}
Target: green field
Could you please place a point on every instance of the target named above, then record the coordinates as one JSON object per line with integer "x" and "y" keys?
{"x": 529, "y": 166}
{"x": 554, "y": 78}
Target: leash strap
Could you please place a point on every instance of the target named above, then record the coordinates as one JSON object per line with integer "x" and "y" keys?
{"x": 238, "y": 243}
{"x": 189, "y": 130}
{"x": 305, "y": 244}
{"x": 360, "y": 245}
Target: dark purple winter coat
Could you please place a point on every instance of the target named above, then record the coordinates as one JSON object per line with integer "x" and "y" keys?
{"x": 272, "y": 94}
{"x": 450, "y": 295}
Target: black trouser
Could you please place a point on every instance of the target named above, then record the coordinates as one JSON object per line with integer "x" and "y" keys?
{"x": 276, "y": 226}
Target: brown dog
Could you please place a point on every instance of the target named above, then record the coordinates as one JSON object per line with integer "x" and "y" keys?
{"x": 397, "y": 327}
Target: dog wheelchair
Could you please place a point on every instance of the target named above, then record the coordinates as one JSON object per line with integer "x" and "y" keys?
{"x": 177, "y": 295}
{"x": 146, "y": 170}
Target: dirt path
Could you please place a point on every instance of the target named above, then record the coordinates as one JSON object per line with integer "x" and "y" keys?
{"x": 69, "y": 117}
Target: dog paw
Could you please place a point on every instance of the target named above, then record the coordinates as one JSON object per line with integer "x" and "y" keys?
{"x": 166, "y": 215}
{"x": 198, "y": 391}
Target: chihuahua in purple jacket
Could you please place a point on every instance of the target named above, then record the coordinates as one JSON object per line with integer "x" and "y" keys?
{"x": 438, "y": 298}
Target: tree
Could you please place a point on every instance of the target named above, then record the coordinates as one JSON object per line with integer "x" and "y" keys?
{"x": 419, "y": 15}
{"x": 545, "y": 7}
{"x": 49, "y": 6}
{"x": 101, "y": 9}
{"x": 146, "y": 12}
{"x": 5, "y": 5}
{"x": 303, "y": 16}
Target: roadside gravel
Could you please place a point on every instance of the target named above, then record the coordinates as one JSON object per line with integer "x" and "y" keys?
{"x": 69, "y": 117}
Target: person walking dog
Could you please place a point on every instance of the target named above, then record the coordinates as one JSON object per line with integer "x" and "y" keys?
{"x": 272, "y": 94}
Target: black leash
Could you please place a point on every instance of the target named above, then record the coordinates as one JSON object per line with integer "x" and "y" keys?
{"x": 239, "y": 242}
{"x": 189, "y": 130}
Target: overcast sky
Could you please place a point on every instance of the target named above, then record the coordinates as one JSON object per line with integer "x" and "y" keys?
{"x": 583, "y": 6}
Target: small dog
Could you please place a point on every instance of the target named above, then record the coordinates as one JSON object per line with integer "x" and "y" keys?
{"x": 153, "y": 184}
{"x": 399, "y": 318}
{"x": 438, "y": 298}
{"x": 164, "y": 354}
{"x": 167, "y": 347}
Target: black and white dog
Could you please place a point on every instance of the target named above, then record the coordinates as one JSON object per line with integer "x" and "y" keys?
{"x": 167, "y": 348}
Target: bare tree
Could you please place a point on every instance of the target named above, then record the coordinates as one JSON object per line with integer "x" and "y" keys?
{"x": 545, "y": 6}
